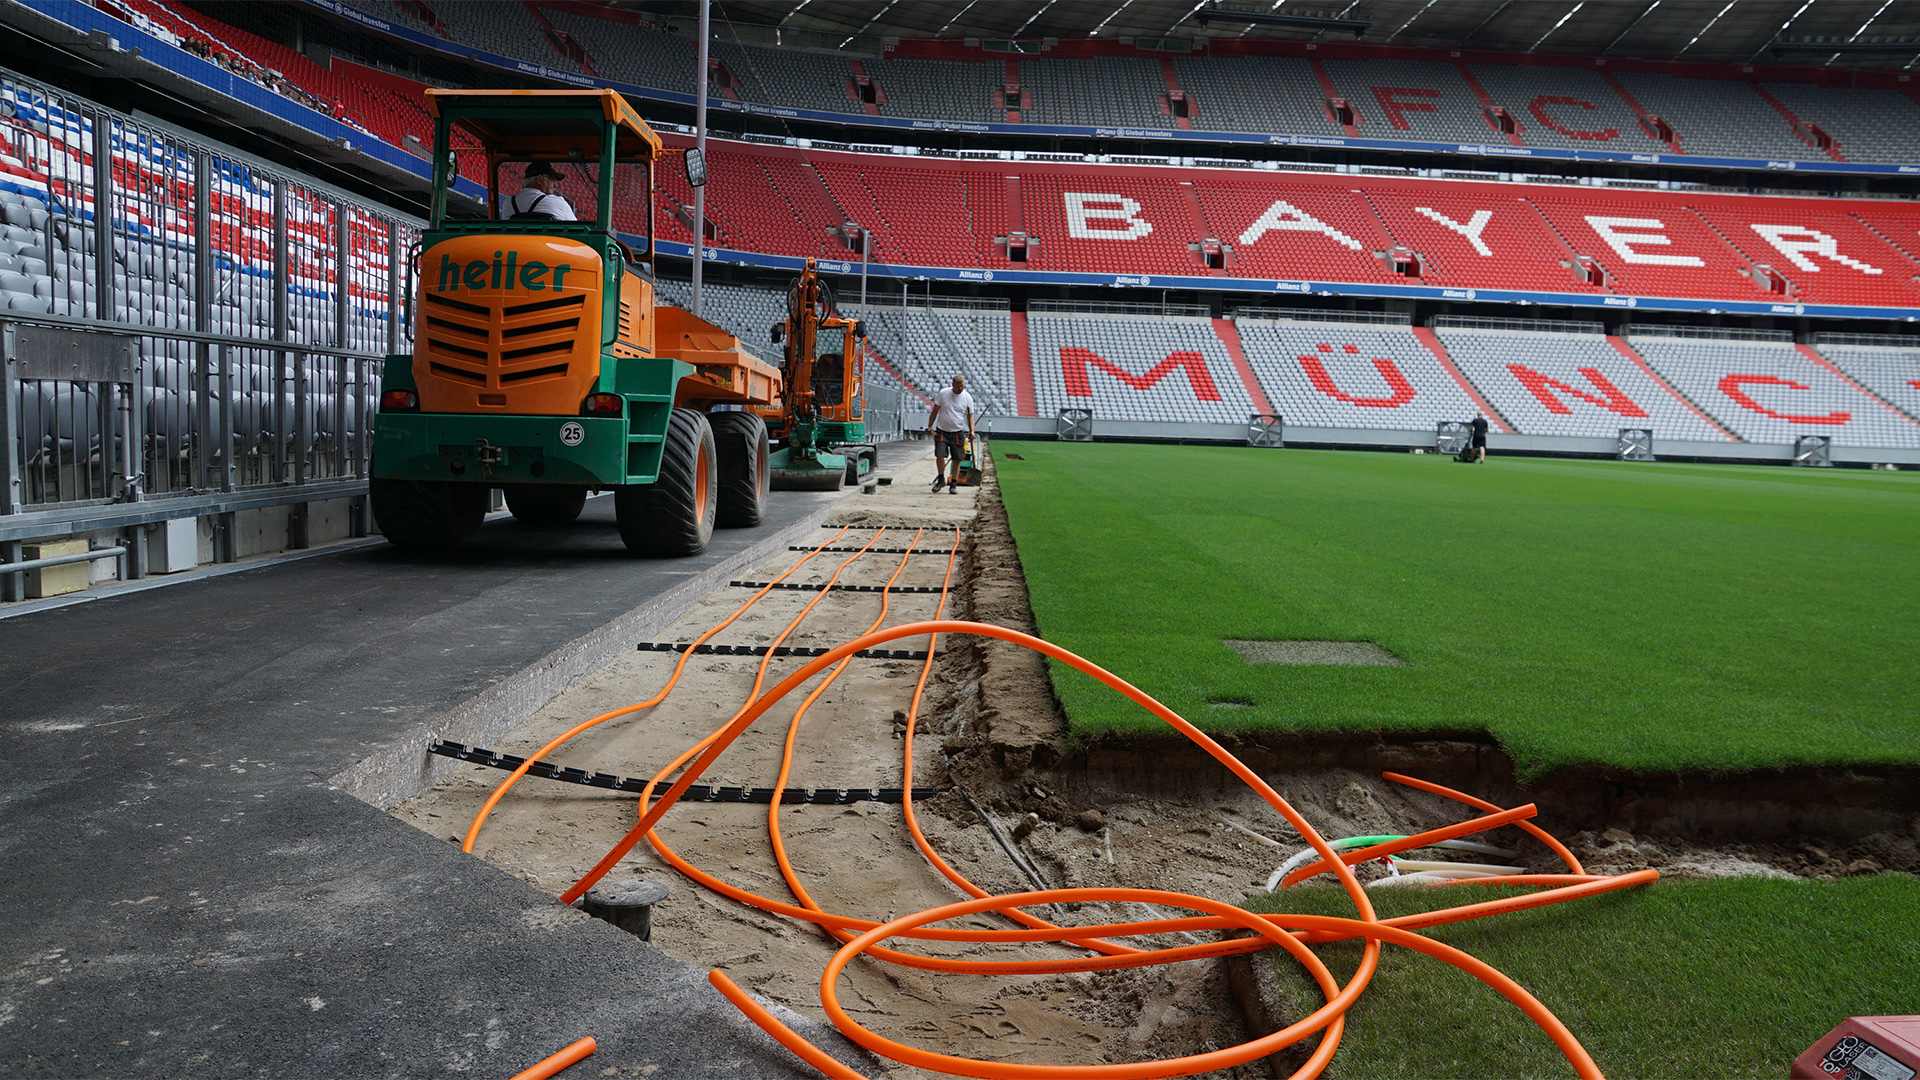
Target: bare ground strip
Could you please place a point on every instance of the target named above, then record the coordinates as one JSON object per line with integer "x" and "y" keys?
{"x": 1342, "y": 653}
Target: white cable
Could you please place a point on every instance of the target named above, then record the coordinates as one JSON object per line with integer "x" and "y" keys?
{"x": 1263, "y": 839}
{"x": 1349, "y": 843}
{"x": 1428, "y": 877}
{"x": 1483, "y": 868}
{"x": 1287, "y": 867}
{"x": 1477, "y": 848}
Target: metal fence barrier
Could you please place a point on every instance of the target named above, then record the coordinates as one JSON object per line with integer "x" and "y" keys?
{"x": 187, "y": 330}
{"x": 884, "y": 415}
{"x": 1524, "y": 326}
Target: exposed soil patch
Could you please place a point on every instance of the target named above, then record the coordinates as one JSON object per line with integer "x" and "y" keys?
{"x": 1812, "y": 822}
{"x": 1345, "y": 653}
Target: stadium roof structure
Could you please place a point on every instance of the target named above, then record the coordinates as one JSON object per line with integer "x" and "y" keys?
{"x": 1879, "y": 34}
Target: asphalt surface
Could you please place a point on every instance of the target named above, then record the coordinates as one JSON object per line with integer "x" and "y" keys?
{"x": 183, "y": 893}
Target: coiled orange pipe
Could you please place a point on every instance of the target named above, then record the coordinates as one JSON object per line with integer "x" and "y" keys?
{"x": 1276, "y": 930}
{"x": 1290, "y": 932}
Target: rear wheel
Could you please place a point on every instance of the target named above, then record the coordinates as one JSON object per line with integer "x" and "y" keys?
{"x": 546, "y": 504}
{"x": 740, "y": 443}
{"x": 673, "y": 516}
{"x": 427, "y": 513}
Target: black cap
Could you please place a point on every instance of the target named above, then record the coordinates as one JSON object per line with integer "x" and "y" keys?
{"x": 543, "y": 168}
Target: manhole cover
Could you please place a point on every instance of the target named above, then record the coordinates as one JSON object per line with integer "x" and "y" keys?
{"x": 1314, "y": 652}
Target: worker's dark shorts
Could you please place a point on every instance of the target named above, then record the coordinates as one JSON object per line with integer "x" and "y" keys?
{"x": 1479, "y": 440}
{"x": 948, "y": 442}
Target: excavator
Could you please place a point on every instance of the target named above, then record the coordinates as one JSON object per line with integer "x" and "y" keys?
{"x": 820, "y": 424}
{"x": 542, "y": 366}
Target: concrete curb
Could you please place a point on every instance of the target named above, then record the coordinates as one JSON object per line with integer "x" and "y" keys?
{"x": 402, "y": 769}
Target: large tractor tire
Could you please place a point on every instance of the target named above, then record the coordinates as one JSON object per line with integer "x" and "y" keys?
{"x": 740, "y": 441}
{"x": 546, "y": 504}
{"x": 673, "y": 516}
{"x": 427, "y": 513}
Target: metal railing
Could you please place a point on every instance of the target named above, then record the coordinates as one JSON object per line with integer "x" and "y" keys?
{"x": 1365, "y": 318}
{"x": 1116, "y": 307}
{"x": 1709, "y": 333}
{"x": 1884, "y": 341}
{"x": 962, "y": 303}
{"x": 187, "y": 331}
{"x": 885, "y": 414}
{"x": 190, "y": 412}
{"x": 1523, "y": 326}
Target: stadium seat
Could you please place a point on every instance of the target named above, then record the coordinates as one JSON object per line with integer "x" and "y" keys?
{"x": 1865, "y": 124}
{"x": 1648, "y": 246}
{"x": 1830, "y": 256}
{"x": 1115, "y": 91}
{"x": 1767, "y": 391}
{"x": 1295, "y": 229}
{"x": 1890, "y": 367}
{"x": 1255, "y": 93}
{"x": 1323, "y": 373}
{"x": 1718, "y": 117}
{"x": 1114, "y": 224}
{"x": 1567, "y": 108}
{"x": 1488, "y": 239}
{"x": 1135, "y": 367}
{"x": 1412, "y": 99}
{"x": 1557, "y": 382}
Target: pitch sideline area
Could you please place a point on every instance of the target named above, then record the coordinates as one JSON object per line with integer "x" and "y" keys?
{"x": 1644, "y": 617}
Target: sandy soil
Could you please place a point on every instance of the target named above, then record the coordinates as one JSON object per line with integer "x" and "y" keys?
{"x": 991, "y": 735}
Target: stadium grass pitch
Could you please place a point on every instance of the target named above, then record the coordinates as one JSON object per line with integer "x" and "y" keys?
{"x": 1647, "y": 616}
{"x": 1727, "y": 978}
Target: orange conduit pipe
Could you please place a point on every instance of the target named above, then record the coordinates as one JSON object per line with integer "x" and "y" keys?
{"x": 717, "y": 742}
{"x": 1536, "y": 831}
{"x": 486, "y": 810}
{"x": 842, "y": 930}
{"x": 668, "y": 854}
{"x": 560, "y": 1062}
{"x": 1274, "y": 929}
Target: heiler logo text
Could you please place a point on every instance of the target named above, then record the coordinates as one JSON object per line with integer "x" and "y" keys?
{"x": 481, "y": 274}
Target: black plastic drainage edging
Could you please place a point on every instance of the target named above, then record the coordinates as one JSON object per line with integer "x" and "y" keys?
{"x": 816, "y": 586}
{"x": 777, "y": 650}
{"x": 547, "y": 770}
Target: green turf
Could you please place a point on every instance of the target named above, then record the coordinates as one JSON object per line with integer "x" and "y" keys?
{"x": 1647, "y": 616}
{"x": 1729, "y": 978}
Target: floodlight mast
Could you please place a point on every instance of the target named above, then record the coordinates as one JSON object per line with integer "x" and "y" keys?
{"x": 700, "y": 144}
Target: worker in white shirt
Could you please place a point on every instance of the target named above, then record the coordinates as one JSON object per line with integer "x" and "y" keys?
{"x": 540, "y": 197}
{"x": 952, "y": 415}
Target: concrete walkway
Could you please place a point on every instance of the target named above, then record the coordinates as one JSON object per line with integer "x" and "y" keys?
{"x": 184, "y": 892}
